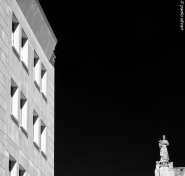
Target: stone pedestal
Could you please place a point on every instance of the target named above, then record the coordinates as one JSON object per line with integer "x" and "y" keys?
{"x": 164, "y": 169}
{"x": 157, "y": 169}
{"x": 167, "y": 169}
{"x": 171, "y": 171}
{"x": 179, "y": 171}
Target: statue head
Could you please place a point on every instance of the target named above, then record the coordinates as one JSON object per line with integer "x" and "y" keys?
{"x": 164, "y": 136}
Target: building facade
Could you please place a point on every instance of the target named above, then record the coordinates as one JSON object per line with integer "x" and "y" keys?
{"x": 27, "y": 43}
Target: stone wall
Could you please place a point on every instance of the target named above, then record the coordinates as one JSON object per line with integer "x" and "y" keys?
{"x": 13, "y": 141}
{"x": 167, "y": 171}
{"x": 179, "y": 171}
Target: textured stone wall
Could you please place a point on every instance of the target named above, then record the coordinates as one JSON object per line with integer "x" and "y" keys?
{"x": 166, "y": 171}
{"x": 179, "y": 171}
{"x": 12, "y": 140}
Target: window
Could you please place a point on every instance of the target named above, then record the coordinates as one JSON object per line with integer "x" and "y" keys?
{"x": 24, "y": 50}
{"x": 14, "y": 101}
{"x": 24, "y": 113}
{"x": 36, "y": 70}
{"x": 43, "y": 81}
{"x": 12, "y": 166}
{"x": 36, "y": 135}
{"x": 15, "y": 35}
{"x": 43, "y": 138}
{"x": 22, "y": 171}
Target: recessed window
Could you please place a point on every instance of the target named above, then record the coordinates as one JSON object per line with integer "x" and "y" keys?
{"x": 36, "y": 131}
{"x": 43, "y": 137}
{"x": 36, "y": 70}
{"x": 12, "y": 166}
{"x": 22, "y": 171}
{"x": 24, "y": 50}
{"x": 15, "y": 35}
{"x": 23, "y": 113}
{"x": 14, "y": 100}
{"x": 43, "y": 81}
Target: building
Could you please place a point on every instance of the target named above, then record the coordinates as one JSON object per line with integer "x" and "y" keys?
{"x": 27, "y": 43}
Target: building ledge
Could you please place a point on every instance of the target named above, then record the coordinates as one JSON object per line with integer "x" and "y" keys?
{"x": 14, "y": 119}
{"x": 37, "y": 85}
{"x": 25, "y": 67}
{"x": 44, "y": 96}
{"x": 15, "y": 52}
{"x": 44, "y": 155}
{"x": 36, "y": 146}
{"x": 24, "y": 131}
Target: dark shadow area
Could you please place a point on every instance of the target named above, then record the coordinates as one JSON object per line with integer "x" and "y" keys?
{"x": 119, "y": 86}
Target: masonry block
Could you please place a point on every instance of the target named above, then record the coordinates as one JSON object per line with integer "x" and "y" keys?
{"x": 2, "y": 137}
{"x": 2, "y": 114}
{"x": 3, "y": 91}
{"x": 51, "y": 110}
{"x": 32, "y": 171}
{"x": 3, "y": 68}
{"x": 11, "y": 148}
{"x": 50, "y": 152}
{"x": 5, "y": 5}
{"x": 50, "y": 170}
{"x": 2, "y": 126}
{"x": 3, "y": 80}
{"x": 23, "y": 143}
{"x": 51, "y": 126}
{"x": 2, "y": 171}
{"x": 4, "y": 28}
{"x": 3, "y": 103}
{"x": 34, "y": 154}
{"x": 3, "y": 57}
{"x": 3, "y": 46}
{"x": 51, "y": 161}
{"x": 50, "y": 135}
{"x": 51, "y": 118}
{"x": 4, "y": 36}
{"x": 24, "y": 163}
{"x": 50, "y": 144}
{"x": 2, "y": 149}
{"x": 43, "y": 165}
{"x": 13, "y": 131}
{"x": 2, "y": 161}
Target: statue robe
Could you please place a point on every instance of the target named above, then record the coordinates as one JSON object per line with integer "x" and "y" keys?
{"x": 164, "y": 151}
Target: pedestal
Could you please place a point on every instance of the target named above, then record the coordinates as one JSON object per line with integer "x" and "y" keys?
{"x": 164, "y": 169}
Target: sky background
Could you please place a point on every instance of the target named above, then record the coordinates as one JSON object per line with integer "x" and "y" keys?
{"x": 119, "y": 75}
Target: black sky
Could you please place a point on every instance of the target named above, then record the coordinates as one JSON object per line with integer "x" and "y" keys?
{"x": 119, "y": 86}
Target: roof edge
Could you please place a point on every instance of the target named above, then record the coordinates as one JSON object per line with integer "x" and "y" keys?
{"x": 46, "y": 20}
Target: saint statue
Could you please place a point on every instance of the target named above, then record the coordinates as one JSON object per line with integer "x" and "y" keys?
{"x": 163, "y": 152}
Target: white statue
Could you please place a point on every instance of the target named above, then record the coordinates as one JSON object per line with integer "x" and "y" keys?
{"x": 163, "y": 152}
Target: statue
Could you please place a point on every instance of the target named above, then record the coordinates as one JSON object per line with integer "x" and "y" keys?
{"x": 163, "y": 152}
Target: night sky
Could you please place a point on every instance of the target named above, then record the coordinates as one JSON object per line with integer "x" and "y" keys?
{"x": 120, "y": 85}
